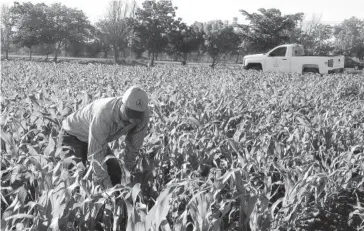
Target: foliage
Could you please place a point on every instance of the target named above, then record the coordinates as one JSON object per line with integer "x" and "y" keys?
{"x": 30, "y": 29}
{"x": 66, "y": 24}
{"x": 7, "y": 23}
{"x": 183, "y": 40}
{"x": 220, "y": 39}
{"x": 115, "y": 29}
{"x": 153, "y": 28}
{"x": 350, "y": 37}
{"x": 226, "y": 149}
{"x": 268, "y": 28}
{"x": 154, "y": 22}
{"x": 315, "y": 37}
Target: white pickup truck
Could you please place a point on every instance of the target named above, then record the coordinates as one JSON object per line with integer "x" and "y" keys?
{"x": 291, "y": 58}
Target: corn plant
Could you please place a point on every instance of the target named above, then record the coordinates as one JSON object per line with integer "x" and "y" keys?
{"x": 226, "y": 149}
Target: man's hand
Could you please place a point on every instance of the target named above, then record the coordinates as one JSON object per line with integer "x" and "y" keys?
{"x": 106, "y": 183}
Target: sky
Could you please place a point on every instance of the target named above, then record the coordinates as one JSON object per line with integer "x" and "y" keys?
{"x": 330, "y": 11}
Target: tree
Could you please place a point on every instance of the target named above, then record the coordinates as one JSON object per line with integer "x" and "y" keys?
{"x": 96, "y": 43}
{"x": 75, "y": 48}
{"x": 350, "y": 37}
{"x": 66, "y": 24}
{"x": 7, "y": 24}
{"x": 102, "y": 40}
{"x": 220, "y": 40}
{"x": 183, "y": 40}
{"x": 92, "y": 48}
{"x": 115, "y": 28}
{"x": 154, "y": 21}
{"x": 241, "y": 48}
{"x": 268, "y": 28}
{"x": 175, "y": 38}
{"x": 135, "y": 42}
{"x": 198, "y": 30}
{"x": 30, "y": 24}
{"x": 314, "y": 36}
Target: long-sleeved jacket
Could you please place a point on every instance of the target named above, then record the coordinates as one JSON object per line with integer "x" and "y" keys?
{"x": 99, "y": 123}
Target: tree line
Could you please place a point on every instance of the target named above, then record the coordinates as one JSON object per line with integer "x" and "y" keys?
{"x": 153, "y": 29}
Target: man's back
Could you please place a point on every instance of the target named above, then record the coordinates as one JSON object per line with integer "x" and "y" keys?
{"x": 89, "y": 130}
{"x": 78, "y": 123}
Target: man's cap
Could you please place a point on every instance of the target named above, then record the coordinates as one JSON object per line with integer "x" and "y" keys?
{"x": 135, "y": 100}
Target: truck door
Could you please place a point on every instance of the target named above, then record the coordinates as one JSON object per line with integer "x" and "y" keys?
{"x": 277, "y": 60}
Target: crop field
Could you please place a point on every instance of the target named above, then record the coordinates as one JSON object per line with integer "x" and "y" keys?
{"x": 227, "y": 149}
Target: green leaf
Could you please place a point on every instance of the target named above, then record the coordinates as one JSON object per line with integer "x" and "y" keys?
{"x": 32, "y": 151}
{"x": 3, "y": 200}
{"x": 35, "y": 162}
{"x": 11, "y": 147}
{"x": 22, "y": 192}
{"x": 160, "y": 209}
{"x": 251, "y": 205}
{"x": 194, "y": 121}
{"x": 108, "y": 157}
{"x": 19, "y": 216}
{"x": 86, "y": 98}
{"x": 165, "y": 226}
{"x": 275, "y": 204}
{"x": 181, "y": 222}
{"x": 19, "y": 227}
{"x": 50, "y": 149}
{"x": 135, "y": 191}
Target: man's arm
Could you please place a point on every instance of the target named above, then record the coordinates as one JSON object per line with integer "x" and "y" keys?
{"x": 134, "y": 141}
{"x": 97, "y": 148}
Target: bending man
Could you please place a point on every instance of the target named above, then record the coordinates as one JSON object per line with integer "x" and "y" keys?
{"x": 89, "y": 130}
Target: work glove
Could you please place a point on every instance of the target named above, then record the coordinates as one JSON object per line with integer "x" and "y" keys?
{"x": 105, "y": 183}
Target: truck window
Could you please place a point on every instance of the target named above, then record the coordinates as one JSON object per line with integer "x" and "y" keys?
{"x": 298, "y": 51}
{"x": 280, "y": 52}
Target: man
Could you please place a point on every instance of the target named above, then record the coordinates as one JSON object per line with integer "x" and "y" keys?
{"x": 89, "y": 130}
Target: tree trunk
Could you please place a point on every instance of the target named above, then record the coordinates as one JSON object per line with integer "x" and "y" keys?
{"x": 237, "y": 58}
{"x": 48, "y": 52}
{"x": 124, "y": 53}
{"x": 213, "y": 62}
{"x": 184, "y": 61}
{"x": 30, "y": 53}
{"x": 7, "y": 54}
{"x": 138, "y": 54}
{"x": 55, "y": 55}
{"x": 105, "y": 54}
{"x": 151, "y": 63}
{"x": 198, "y": 57}
{"x": 116, "y": 54}
{"x": 58, "y": 48}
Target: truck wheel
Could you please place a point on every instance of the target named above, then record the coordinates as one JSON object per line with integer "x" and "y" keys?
{"x": 256, "y": 67}
{"x": 311, "y": 70}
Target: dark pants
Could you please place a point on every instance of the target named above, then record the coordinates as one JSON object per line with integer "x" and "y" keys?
{"x": 79, "y": 150}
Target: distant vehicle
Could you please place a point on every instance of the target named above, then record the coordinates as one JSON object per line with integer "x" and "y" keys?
{"x": 351, "y": 63}
{"x": 291, "y": 58}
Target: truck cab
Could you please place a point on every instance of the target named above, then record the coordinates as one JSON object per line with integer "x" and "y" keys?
{"x": 291, "y": 58}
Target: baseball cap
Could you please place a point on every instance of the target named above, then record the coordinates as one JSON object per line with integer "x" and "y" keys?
{"x": 135, "y": 100}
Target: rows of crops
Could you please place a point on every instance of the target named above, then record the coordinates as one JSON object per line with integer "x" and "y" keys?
{"x": 227, "y": 149}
